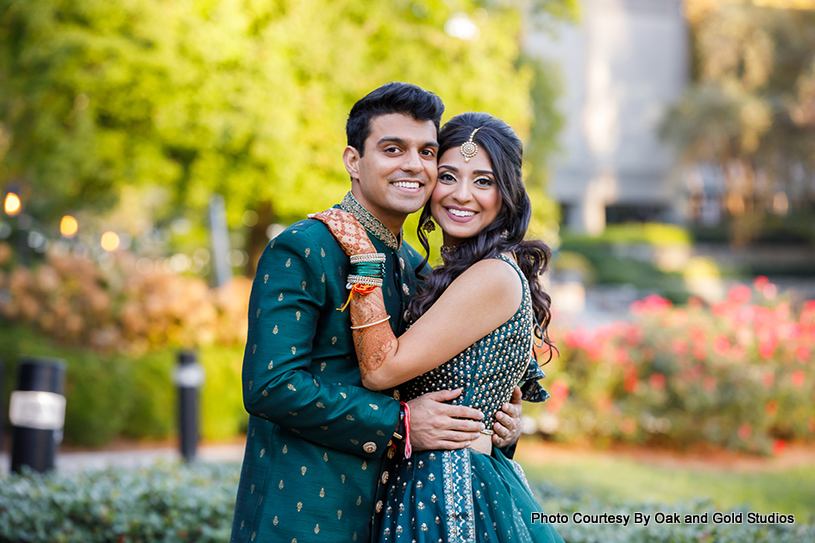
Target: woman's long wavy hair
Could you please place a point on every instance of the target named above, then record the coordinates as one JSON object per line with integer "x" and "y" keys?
{"x": 505, "y": 234}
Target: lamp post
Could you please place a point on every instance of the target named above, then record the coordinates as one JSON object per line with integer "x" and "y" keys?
{"x": 37, "y": 413}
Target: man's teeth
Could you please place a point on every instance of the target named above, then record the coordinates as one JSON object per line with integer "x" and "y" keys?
{"x": 407, "y": 185}
{"x": 461, "y": 212}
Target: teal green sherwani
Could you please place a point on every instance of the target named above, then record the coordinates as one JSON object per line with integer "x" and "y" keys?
{"x": 316, "y": 437}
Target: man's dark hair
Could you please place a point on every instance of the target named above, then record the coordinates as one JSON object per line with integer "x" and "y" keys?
{"x": 394, "y": 97}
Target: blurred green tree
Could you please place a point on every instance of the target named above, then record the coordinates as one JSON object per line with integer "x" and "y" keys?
{"x": 246, "y": 98}
{"x": 751, "y": 108}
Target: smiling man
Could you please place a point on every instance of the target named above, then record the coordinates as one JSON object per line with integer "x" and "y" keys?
{"x": 316, "y": 438}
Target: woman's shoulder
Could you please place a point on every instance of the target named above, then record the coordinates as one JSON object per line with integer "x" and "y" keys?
{"x": 495, "y": 279}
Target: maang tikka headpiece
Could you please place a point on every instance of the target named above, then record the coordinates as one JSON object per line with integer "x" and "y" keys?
{"x": 469, "y": 149}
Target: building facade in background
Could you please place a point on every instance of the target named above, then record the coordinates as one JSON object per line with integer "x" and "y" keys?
{"x": 623, "y": 64}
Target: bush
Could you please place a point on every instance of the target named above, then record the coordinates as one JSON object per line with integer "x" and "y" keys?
{"x": 737, "y": 374}
{"x": 646, "y": 256}
{"x": 165, "y": 503}
{"x": 112, "y": 395}
{"x": 195, "y": 503}
{"x": 116, "y": 308}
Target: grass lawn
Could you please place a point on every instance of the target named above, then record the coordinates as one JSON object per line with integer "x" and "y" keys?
{"x": 766, "y": 486}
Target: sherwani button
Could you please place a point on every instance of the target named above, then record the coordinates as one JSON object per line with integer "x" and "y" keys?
{"x": 369, "y": 447}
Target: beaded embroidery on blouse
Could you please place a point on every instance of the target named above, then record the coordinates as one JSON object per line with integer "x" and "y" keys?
{"x": 488, "y": 369}
{"x": 372, "y": 224}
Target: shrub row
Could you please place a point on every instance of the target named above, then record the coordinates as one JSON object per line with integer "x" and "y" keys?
{"x": 195, "y": 503}
{"x": 737, "y": 374}
{"x": 112, "y": 395}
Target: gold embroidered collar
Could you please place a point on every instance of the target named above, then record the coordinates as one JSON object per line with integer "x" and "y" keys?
{"x": 371, "y": 223}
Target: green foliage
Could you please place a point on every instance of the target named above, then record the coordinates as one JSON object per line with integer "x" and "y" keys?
{"x": 240, "y": 97}
{"x": 734, "y": 375}
{"x": 749, "y": 111}
{"x": 115, "y": 395}
{"x": 165, "y": 503}
{"x": 196, "y": 502}
{"x": 627, "y": 254}
{"x": 621, "y": 477}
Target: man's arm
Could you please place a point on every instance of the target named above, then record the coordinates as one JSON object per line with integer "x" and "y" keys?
{"x": 288, "y": 295}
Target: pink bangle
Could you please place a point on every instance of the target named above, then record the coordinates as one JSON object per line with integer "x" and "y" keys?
{"x": 408, "y": 448}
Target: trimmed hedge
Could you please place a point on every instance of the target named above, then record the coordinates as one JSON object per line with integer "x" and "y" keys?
{"x": 116, "y": 395}
{"x": 195, "y": 503}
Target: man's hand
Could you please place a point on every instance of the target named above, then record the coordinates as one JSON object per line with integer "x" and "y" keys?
{"x": 508, "y": 422}
{"x": 437, "y": 425}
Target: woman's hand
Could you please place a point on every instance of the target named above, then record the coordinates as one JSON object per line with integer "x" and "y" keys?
{"x": 350, "y": 234}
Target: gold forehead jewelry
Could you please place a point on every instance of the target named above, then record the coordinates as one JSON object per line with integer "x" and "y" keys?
{"x": 469, "y": 149}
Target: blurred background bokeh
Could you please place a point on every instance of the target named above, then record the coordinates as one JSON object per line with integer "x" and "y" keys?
{"x": 149, "y": 150}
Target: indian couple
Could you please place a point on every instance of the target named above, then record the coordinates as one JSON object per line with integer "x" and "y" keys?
{"x": 382, "y": 393}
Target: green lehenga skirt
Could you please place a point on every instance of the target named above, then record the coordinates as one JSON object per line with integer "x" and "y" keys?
{"x": 460, "y": 497}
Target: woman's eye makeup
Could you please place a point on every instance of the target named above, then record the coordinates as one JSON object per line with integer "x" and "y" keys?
{"x": 484, "y": 182}
{"x": 447, "y": 176}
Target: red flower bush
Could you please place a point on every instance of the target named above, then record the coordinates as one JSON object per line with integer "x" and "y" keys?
{"x": 735, "y": 374}
{"x": 117, "y": 308}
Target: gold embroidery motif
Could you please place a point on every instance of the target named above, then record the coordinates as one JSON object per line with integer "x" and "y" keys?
{"x": 252, "y": 489}
{"x": 371, "y": 223}
{"x": 280, "y": 298}
{"x": 343, "y": 478}
{"x": 359, "y": 500}
{"x": 288, "y": 263}
{"x": 265, "y": 277}
{"x": 324, "y": 427}
{"x": 280, "y": 486}
{"x": 317, "y": 529}
{"x": 320, "y": 405}
{"x": 406, "y": 289}
{"x": 355, "y": 442}
{"x": 339, "y": 514}
{"x": 322, "y": 366}
{"x": 380, "y": 433}
{"x": 297, "y": 314}
{"x": 254, "y": 348}
{"x": 299, "y": 506}
{"x": 374, "y": 406}
{"x": 262, "y": 452}
{"x": 291, "y": 387}
{"x": 293, "y": 413}
{"x": 251, "y": 383}
{"x": 322, "y": 492}
{"x": 275, "y": 521}
{"x": 257, "y": 313}
{"x": 343, "y": 395}
{"x": 253, "y": 535}
{"x": 285, "y": 449}
{"x": 303, "y": 470}
{"x": 333, "y": 340}
{"x": 303, "y": 285}
{"x": 271, "y": 364}
{"x": 271, "y": 244}
{"x": 293, "y": 350}
{"x": 325, "y": 457}
{"x": 242, "y": 523}
{"x": 349, "y": 417}
{"x": 307, "y": 251}
{"x": 274, "y": 331}
{"x": 322, "y": 277}
{"x": 364, "y": 465}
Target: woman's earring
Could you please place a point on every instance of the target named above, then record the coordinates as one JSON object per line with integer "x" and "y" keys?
{"x": 504, "y": 235}
{"x": 429, "y": 225}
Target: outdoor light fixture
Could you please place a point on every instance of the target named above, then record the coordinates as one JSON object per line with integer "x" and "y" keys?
{"x": 68, "y": 226}
{"x": 110, "y": 241}
{"x": 12, "y": 205}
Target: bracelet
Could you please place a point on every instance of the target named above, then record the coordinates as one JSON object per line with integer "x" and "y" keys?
{"x": 367, "y": 257}
{"x": 370, "y": 323}
{"x": 408, "y": 448}
{"x": 363, "y": 280}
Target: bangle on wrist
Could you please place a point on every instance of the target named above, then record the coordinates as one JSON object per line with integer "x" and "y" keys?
{"x": 380, "y": 321}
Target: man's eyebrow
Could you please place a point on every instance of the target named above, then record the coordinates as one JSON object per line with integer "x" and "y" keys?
{"x": 400, "y": 141}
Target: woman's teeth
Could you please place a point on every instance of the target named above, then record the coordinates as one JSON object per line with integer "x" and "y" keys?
{"x": 461, "y": 212}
